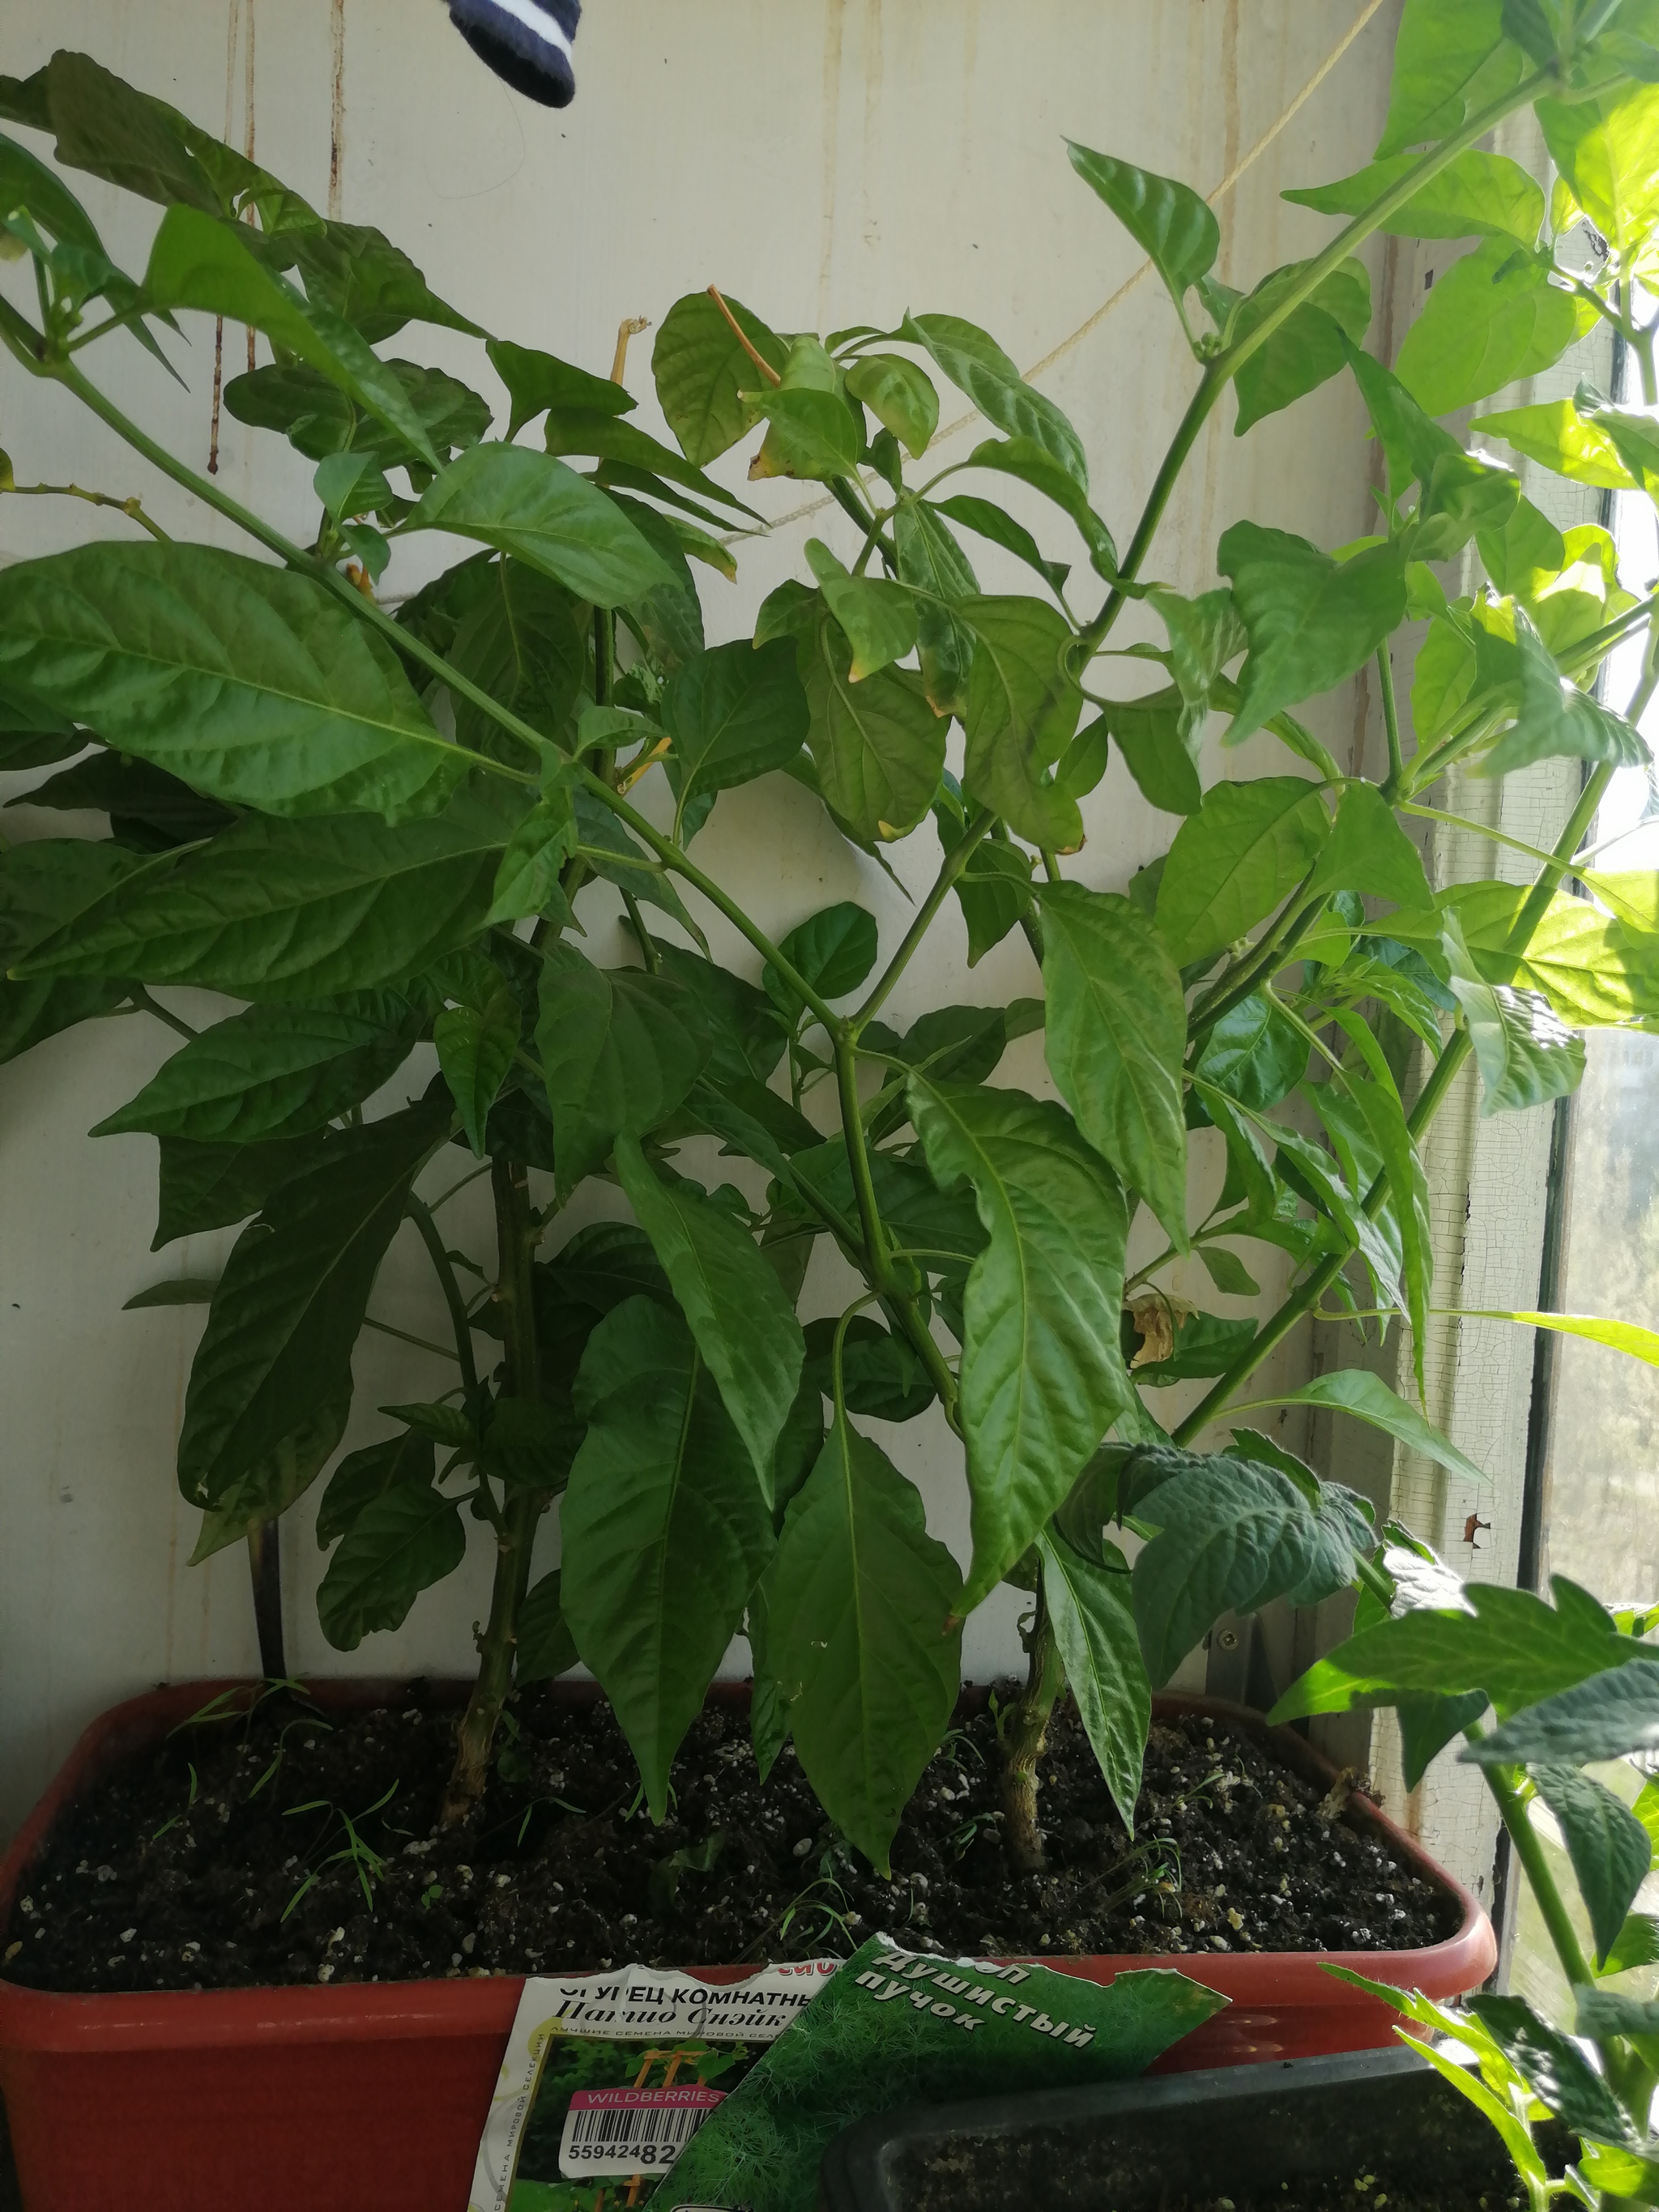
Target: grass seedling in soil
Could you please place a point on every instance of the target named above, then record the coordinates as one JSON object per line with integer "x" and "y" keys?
{"x": 177, "y": 1817}
{"x": 368, "y": 1863}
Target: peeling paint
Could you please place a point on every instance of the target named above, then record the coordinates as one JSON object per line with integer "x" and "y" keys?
{"x": 337, "y": 119}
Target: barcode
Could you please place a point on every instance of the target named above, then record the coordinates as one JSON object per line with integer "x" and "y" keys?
{"x": 628, "y": 2131}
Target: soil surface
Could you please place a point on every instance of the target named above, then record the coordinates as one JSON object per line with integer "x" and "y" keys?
{"x": 289, "y": 1846}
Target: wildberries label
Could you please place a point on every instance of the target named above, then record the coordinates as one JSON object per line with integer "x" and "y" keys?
{"x": 617, "y": 2133}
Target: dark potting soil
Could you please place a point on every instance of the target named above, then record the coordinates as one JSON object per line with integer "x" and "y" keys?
{"x": 958, "y": 2181}
{"x": 292, "y": 1846}
{"x": 1340, "y": 2150}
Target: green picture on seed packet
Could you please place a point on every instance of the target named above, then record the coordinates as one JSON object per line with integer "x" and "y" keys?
{"x": 575, "y": 2063}
{"x": 898, "y": 2027}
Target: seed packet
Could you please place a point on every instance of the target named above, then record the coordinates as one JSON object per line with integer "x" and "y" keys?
{"x": 608, "y": 2076}
{"x": 896, "y": 2028}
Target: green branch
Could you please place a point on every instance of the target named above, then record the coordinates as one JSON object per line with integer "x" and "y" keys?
{"x": 1219, "y": 371}
{"x": 955, "y": 861}
{"x": 420, "y": 1215}
{"x": 1452, "y": 1055}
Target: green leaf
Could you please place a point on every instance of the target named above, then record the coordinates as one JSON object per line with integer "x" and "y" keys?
{"x": 137, "y": 797}
{"x": 863, "y": 1638}
{"x": 292, "y": 1298}
{"x": 178, "y": 1290}
{"x": 1493, "y": 319}
{"x": 363, "y": 1476}
{"x": 475, "y": 1047}
{"x": 1228, "y": 1272}
{"x": 1042, "y": 1378}
{"x": 1524, "y": 1053}
{"x": 317, "y": 419}
{"x": 734, "y": 712}
{"x": 990, "y": 521}
{"x": 597, "y": 431}
{"x": 1559, "y": 721}
{"x": 1610, "y": 1848}
{"x": 1476, "y": 195}
{"x": 664, "y": 1532}
{"x": 1553, "y": 2067}
{"x": 1555, "y": 433}
{"x": 203, "y": 261}
{"x": 878, "y": 618}
{"x": 1033, "y": 464}
{"x": 1204, "y": 1344}
{"x": 1312, "y": 621}
{"x": 1023, "y": 707}
{"x": 1367, "y": 1398}
{"x": 399, "y": 1545}
{"x": 1116, "y": 1039}
{"x": 1636, "y": 1944}
{"x": 273, "y": 1071}
{"x": 294, "y": 910}
{"x": 1602, "y": 2014}
{"x": 930, "y": 557}
{"x": 1093, "y": 1622}
{"x": 745, "y": 1331}
{"x": 535, "y": 381}
{"x": 1231, "y": 1535}
{"x": 976, "y": 365}
{"x": 900, "y": 396}
{"x": 1159, "y": 739}
{"x": 1449, "y": 62}
{"x": 878, "y": 745}
{"x": 1368, "y": 851}
{"x": 275, "y": 1483}
{"x": 1608, "y": 1716}
{"x": 1379, "y": 1106}
{"x": 1620, "y": 1335}
{"x": 1309, "y": 347}
{"x": 524, "y": 641}
{"x": 1253, "y": 1054}
{"x": 881, "y": 1376}
{"x": 833, "y": 950}
{"x": 528, "y": 880}
{"x": 545, "y": 1647}
{"x": 27, "y": 183}
{"x": 1247, "y": 847}
{"x": 534, "y": 508}
{"x": 1168, "y": 220}
{"x": 214, "y": 1185}
{"x": 701, "y": 368}
{"x": 1607, "y": 149}
{"x": 620, "y": 1050}
{"x": 442, "y": 1424}
{"x": 249, "y": 682}
{"x": 813, "y": 435}
{"x": 1507, "y": 1643}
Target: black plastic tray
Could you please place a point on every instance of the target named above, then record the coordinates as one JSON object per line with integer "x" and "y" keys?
{"x": 1238, "y": 2132}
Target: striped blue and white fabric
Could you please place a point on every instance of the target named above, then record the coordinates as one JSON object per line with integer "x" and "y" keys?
{"x": 528, "y": 42}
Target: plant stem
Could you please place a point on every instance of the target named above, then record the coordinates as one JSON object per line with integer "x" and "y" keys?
{"x": 140, "y": 997}
{"x": 1027, "y": 1733}
{"x": 130, "y": 507}
{"x": 420, "y": 1215}
{"x": 1530, "y": 1850}
{"x": 1452, "y": 1055}
{"x": 955, "y": 861}
{"x": 515, "y": 1292}
{"x": 1218, "y": 372}
{"x": 1391, "y": 722}
{"x": 264, "y": 1562}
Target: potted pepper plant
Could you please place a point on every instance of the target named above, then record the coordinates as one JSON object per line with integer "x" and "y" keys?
{"x": 375, "y": 827}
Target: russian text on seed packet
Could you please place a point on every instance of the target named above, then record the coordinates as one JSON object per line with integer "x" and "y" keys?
{"x": 608, "y": 2076}
{"x": 896, "y": 2028}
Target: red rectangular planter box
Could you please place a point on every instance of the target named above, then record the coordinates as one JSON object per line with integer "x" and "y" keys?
{"x": 370, "y": 2097}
